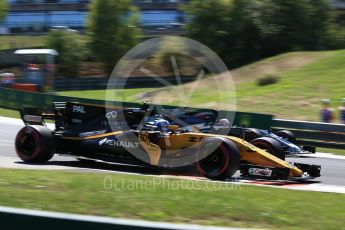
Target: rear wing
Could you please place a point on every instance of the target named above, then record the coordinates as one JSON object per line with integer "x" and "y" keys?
{"x": 63, "y": 114}
{"x": 81, "y": 116}
{"x": 39, "y": 116}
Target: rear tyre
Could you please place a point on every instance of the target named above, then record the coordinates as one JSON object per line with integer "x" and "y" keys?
{"x": 218, "y": 158}
{"x": 270, "y": 145}
{"x": 35, "y": 144}
{"x": 251, "y": 134}
{"x": 288, "y": 135}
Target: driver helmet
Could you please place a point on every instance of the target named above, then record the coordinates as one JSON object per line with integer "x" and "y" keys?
{"x": 162, "y": 125}
{"x": 224, "y": 122}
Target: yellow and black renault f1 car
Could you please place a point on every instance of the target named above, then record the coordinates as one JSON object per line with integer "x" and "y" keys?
{"x": 119, "y": 135}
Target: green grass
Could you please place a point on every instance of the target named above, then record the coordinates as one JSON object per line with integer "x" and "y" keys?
{"x": 173, "y": 200}
{"x": 298, "y": 94}
{"x": 21, "y": 41}
{"x": 334, "y": 151}
{"x": 9, "y": 113}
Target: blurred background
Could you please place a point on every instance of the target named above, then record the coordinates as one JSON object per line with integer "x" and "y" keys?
{"x": 285, "y": 57}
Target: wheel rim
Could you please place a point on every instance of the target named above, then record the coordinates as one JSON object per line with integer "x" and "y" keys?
{"x": 215, "y": 163}
{"x": 27, "y": 143}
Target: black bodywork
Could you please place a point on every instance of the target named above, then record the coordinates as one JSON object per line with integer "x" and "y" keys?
{"x": 75, "y": 122}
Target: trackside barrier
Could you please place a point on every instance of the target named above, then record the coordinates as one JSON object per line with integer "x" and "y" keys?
{"x": 17, "y": 100}
{"x": 318, "y": 134}
{"x": 15, "y": 218}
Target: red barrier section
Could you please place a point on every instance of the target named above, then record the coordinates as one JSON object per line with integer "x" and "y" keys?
{"x": 25, "y": 87}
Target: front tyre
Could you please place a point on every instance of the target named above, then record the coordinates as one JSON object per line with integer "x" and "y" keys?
{"x": 287, "y": 135}
{"x": 270, "y": 145}
{"x": 35, "y": 144}
{"x": 218, "y": 158}
{"x": 251, "y": 134}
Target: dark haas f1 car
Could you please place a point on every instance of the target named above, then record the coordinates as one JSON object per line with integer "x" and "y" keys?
{"x": 286, "y": 142}
{"x": 94, "y": 132}
{"x": 285, "y": 139}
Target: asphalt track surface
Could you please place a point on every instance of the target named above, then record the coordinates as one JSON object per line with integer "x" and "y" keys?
{"x": 333, "y": 170}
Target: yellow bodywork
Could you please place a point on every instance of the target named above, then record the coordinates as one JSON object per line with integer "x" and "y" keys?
{"x": 248, "y": 152}
{"x": 178, "y": 141}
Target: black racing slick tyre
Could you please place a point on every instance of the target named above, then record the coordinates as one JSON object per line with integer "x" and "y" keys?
{"x": 287, "y": 135}
{"x": 218, "y": 158}
{"x": 251, "y": 134}
{"x": 270, "y": 145}
{"x": 35, "y": 144}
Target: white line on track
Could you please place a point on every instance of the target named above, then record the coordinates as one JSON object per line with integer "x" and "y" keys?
{"x": 323, "y": 155}
{"x": 18, "y": 122}
{"x": 11, "y": 121}
{"x": 15, "y": 163}
{"x": 318, "y": 188}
